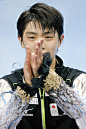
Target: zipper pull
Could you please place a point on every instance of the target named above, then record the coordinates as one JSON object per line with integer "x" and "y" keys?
{"x": 41, "y": 93}
{"x": 41, "y": 96}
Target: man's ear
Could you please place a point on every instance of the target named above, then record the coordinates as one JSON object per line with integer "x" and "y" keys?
{"x": 61, "y": 39}
{"x": 21, "y": 42}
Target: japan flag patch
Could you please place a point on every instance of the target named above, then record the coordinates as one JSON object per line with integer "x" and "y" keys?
{"x": 53, "y": 109}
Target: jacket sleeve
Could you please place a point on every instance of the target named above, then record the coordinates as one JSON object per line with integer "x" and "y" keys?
{"x": 79, "y": 86}
{"x": 66, "y": 98}
{"x": 12, "y": 106}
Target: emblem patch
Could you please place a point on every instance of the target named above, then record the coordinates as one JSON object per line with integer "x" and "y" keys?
{"x": 25, "y": 112}
{"x": 53, "y": 109}
{"x": 34, "y": 101}
{"x": 35, "y": 95}
{"x": 46, "y": 94}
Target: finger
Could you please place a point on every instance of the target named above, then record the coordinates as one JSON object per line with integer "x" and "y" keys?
{"x": 37, "y": 49}
{"x": 27, "y": 73}
{"x": 34, "y": 64}
{"x": 33, "y": 59}
{"x": 27, "y": 66}
{"x": 28, "y": 48}
{"x": 28, "y": 53}
{"x": 40, "y": 51}
{"x": 35, "y": 44}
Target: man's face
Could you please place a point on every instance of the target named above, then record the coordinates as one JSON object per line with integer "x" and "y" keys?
{"x": 34, "y": 32}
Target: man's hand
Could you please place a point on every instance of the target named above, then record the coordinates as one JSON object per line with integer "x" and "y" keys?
{"x": 27, "y": 67}
{"x": 33, "y": 62}
{"x": 37, "y": 57}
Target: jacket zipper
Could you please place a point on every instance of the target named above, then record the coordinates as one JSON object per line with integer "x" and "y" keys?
{"x": 42, "y": 108}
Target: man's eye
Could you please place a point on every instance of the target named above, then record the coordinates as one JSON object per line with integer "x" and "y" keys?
{"x": 48, "y": 37}
{"x": 31, "y": 37}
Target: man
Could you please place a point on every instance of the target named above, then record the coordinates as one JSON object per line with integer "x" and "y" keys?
{"x": 44, "y": 94}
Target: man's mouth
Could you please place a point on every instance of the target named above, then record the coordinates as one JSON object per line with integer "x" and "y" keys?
{"x": 43, "y": 53}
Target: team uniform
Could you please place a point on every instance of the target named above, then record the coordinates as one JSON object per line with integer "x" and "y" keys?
{"x": 62, "y": 107}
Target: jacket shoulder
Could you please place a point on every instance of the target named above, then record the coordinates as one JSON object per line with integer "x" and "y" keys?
{"x": 69, "y": 74}
{"x": 15, "y": 77}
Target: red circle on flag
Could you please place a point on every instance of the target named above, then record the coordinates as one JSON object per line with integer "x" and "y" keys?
{"x": 53, "y": 106}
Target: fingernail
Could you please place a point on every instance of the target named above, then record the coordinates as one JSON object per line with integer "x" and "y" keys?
{"x": 33, "y": 53}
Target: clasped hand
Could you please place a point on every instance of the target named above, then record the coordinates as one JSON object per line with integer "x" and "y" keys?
{"x": 32, "y": 62}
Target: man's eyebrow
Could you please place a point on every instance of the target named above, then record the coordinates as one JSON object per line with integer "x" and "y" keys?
{"x": 48, "y": 32}
{"x": 43, "y": 33}
{"x": 31, "y": 32}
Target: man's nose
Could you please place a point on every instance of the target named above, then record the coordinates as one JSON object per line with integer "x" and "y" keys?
{"x": 40, "y": 39}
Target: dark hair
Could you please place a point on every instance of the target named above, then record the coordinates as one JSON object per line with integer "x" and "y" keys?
{"x": 46, "y": 15}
